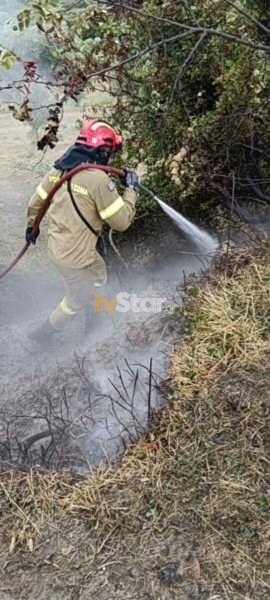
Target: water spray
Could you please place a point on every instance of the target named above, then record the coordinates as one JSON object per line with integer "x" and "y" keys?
{"x": 205, "y": 242}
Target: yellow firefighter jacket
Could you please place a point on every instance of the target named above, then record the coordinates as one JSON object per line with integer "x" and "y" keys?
{"x": 70, "y": 242}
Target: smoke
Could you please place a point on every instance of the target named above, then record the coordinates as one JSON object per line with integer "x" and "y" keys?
{"x": 93, "y": 393}
{"x": 28, "y": 44}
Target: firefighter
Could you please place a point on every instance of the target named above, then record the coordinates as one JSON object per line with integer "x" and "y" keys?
{"x": 75, "y": 217}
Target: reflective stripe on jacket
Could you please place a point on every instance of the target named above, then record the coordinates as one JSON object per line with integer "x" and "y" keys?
{"x": 70, "y": 242}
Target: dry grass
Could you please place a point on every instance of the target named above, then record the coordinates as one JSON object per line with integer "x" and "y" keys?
{"x": 29, "y": 502}
{"x": 204, "y": 466}
{"x": 229, "y": 324}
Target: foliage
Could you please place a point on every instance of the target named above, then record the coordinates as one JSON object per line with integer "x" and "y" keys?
{"x": 7, "y": 58}
{"x": 185, "y": 76}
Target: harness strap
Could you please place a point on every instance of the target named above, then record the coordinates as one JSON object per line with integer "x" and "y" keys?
{"x": 96, "y": 233}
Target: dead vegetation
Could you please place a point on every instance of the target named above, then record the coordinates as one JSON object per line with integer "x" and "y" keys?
{"x": 201, "y": 473}
{"x": 229, "y": 323}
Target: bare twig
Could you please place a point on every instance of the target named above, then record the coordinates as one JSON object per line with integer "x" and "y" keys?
{"x": 248, "y": 16}
{"x": 126, "y": 406}
{"x": 184, "y": 66}
{"x": 125, "y": 429}
{"x": 197, "y": 29}
{"x": 230, "y": 224}
{"x": 74, "y": 5}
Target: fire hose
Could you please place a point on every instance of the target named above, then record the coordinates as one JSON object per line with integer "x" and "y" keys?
{"x": 50, "y": 195}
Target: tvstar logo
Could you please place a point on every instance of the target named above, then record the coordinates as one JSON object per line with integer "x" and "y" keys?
{"x": 124, "y": 302}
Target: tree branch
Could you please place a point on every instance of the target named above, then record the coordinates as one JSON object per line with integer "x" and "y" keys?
{"x": 184, "y": 66}
{"x": 76, "y": 85}
{"x": 106, "y": 69}
{"x": 191, "y": 29}
{"x": 74, "y": 5}
{"x": 139, "y": 54}
{"x": 248, "y": 16}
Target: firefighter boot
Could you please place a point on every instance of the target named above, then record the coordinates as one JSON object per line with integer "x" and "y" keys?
{"x": 42, "y": 334}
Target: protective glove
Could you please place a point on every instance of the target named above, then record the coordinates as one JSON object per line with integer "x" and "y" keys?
{"x": 30, "y": 237}
{"x": 130, "y": 179}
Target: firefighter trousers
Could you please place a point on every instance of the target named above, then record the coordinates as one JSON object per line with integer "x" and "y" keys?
{"x": 80, "y": 286}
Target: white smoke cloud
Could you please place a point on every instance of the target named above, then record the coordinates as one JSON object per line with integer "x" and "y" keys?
{"x": 28, "y": 44}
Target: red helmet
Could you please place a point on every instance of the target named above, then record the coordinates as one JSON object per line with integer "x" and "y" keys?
{"x": 95, "y": 133}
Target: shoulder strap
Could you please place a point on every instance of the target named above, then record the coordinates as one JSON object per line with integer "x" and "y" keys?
{"x": 78, "y": 210}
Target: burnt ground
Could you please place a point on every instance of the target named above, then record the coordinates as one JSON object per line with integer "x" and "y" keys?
{"x": 88, "y": 366}
{"x": 117, "y": 350}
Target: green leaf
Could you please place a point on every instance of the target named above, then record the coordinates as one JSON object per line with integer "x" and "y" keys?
{"x": 7, "y": 58}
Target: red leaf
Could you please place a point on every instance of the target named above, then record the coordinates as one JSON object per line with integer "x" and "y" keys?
{"x": 212, "y": 370}
{"x": 61, "y": 503}
{"x": 150, "y": 446}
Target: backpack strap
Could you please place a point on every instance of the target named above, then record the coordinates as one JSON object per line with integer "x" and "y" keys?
{"x": 96, "y": 233}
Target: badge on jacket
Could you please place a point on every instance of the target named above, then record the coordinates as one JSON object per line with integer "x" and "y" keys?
{"x": 111, "y": 186}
